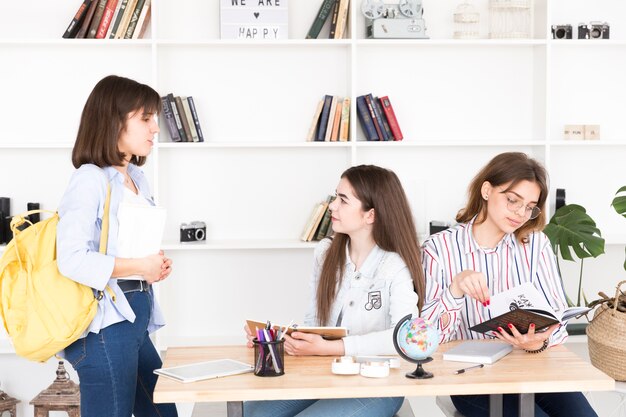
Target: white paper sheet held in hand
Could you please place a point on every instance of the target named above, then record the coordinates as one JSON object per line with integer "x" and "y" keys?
{"x": 140, "y": 231}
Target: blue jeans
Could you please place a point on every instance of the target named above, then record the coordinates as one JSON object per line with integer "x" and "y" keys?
{"x": 115, "y": 367}
{"x": 340, "y": 407}
{"x": 552, "y": 404}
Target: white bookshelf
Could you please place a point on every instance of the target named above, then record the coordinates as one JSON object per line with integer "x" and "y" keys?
{"x": 255, "y": 180}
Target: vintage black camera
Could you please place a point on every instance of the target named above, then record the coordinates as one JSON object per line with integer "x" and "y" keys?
{"x": 594, "y": 30}
{"x": 193, "y": 232}
{"x": 561, "y": 31}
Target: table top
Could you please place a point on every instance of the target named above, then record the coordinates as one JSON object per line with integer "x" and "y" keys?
{"x": 310, "y": 377}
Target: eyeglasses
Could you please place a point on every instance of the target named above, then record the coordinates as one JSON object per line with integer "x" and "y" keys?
{"x": 514, "y": 204}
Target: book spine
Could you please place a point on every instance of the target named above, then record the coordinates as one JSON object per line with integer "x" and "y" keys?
{"x": 88, "y": 18}
{"x": 179, "y": 123}
{"x": 321, "y": 17}
{"x": 128, "y": 12}
{"x": 196, "y": 120}
{"x": 366, "y": 119}
{"x": 391, "y": 118}
{"x": 97, "y": 17}
{"x": 142, "y": 23}
{"x": 169, "y": 120}
{"x": 342, "y": 20}
{"x": 134, "y": 18}
{"x": 192, "y": 125}
{"x": 333, "y": 21}
{"x": 314, "y": 122}
{"x": 325, "y": 223}
{"x": 370, "y": 105}
{"x": 72, "y": 28}
{"x": 118, "y": 19}
{"x": 321, "y": 131}
{"x": 113, "y": 19}
{"x": 109, "y": 11}
{"x": 183, "y": 118}
{"x": 331, "y": 119}
{"x": 379, "y": 109}
{"x": 344, "y": 129}
{"x": 336, "y": 120}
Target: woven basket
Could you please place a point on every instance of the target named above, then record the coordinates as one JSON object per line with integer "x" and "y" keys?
{"x": 606, "y": 335}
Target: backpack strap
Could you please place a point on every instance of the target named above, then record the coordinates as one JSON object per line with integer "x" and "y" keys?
{"x": 104, "y": 238}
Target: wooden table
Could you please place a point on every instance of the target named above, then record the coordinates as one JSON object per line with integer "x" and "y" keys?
{"x": 556, "y": 370}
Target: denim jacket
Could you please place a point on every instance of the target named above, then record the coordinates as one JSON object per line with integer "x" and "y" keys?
{"x": 369, "y": 302}
{"x": 78, "y": 239}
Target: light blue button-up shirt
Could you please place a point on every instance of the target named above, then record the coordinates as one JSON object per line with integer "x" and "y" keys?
{"x": 78, "y": 240}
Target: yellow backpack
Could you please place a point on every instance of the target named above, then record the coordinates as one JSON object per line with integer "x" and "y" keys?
{"x": 43, "y": 311}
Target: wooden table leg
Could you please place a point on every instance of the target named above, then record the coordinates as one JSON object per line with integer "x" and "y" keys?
{"x": 234, "y": 408}
{"x": 495, "y": 405}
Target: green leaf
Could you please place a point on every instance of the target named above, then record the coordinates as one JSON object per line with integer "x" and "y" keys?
{"x": 619, "y": 202}
{"x": 572, "y": 229}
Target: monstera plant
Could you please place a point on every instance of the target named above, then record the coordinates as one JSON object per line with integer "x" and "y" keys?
{"x": 619, "y": 204}
{"x": 572, "y": 229}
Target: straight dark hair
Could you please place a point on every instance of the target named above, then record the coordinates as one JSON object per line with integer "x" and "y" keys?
{"x": 508, "y": 167}
{"x": 393, "y": 231}
{"x": 104, "y": 118}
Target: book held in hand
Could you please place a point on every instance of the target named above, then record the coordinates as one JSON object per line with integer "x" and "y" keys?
{"x": 521, "y": 306}
{"x": 325, "y": 332}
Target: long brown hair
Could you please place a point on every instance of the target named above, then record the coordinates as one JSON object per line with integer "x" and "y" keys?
{"x": 393, "y": 231}
{"x": 512, "y": 167}
{"x": 104, "y": 118}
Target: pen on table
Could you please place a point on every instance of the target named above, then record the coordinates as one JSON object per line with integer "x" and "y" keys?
{"x": 460, "y": 371}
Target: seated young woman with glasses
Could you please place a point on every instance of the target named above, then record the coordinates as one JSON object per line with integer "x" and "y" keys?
{"x": 497, "y": 245}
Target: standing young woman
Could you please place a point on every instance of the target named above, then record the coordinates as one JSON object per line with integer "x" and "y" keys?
{"x": 115, "y": 359}
{"x": 366, "y": 278}
{"x": 497, "y": 245}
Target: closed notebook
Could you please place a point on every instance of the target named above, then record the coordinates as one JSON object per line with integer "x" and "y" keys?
{"x": 478, "y": 351}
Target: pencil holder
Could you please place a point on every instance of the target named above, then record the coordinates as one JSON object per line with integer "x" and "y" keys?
{"x": 269, "y": 358}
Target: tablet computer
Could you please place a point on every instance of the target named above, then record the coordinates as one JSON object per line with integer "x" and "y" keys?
{"x": 205, "y": 370}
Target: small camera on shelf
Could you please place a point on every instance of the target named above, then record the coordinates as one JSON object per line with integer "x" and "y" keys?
{"x": 193, "y": 232}
{"x": 394, "y": 21}
{"x": 593, "y": 30}
{"x": 561, "y": 31}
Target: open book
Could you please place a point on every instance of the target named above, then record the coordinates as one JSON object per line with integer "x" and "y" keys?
{"x": 521, "y": 306}
{"x": 325, "y": 332}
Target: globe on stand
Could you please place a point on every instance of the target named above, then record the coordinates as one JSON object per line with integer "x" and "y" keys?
{"x": 415, "y": 339}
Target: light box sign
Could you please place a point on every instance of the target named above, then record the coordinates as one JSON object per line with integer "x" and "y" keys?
{"x": 254, "y": 19}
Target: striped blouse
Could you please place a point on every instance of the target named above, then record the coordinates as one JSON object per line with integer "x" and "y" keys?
{"x": 509, "y": 264}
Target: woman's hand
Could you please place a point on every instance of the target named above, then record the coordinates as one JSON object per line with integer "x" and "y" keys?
{"x": 249, "y": 335}
{"x": 166, "y": 266}
{"x": 301, "y": 344}
{"x": 471, "y": 283}
{"x": 528, "y": 341}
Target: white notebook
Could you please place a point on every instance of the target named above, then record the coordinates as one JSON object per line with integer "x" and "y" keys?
{"x": 205, "y": 370}
{"x": 478, "y": 351}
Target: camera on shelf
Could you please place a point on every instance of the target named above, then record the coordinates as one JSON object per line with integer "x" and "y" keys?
{"x": 394, "y": 21}
{"x": 593, "y": 30}
{"x": 561, "y": 31}
{"x": 193, "y": 232}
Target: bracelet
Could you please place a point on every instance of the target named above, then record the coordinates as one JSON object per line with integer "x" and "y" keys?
{"x": 541, "y": 349}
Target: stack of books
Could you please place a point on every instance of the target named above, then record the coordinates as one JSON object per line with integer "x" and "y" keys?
{"x": 110, "y": 19}
{"x": 319, "y": 224}
{"x": 377, "y": 118}
{"x": 331, "y": 121}
{"x": 338, "y": 9}
{"x": 181, "y": 119}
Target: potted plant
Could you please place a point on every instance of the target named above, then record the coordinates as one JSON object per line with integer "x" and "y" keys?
{"x": 572, "y": 229}
{"x": 619, "y": 204}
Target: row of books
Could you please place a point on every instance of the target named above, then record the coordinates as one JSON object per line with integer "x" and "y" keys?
{"x": 181, "y": 119}
{"x": 331, "y": 121}
{"x": 319, "y": 224}
{"x": 110, "y": 19}
{"x": 377, "y": 118}
{"x": 338, "y": 9}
